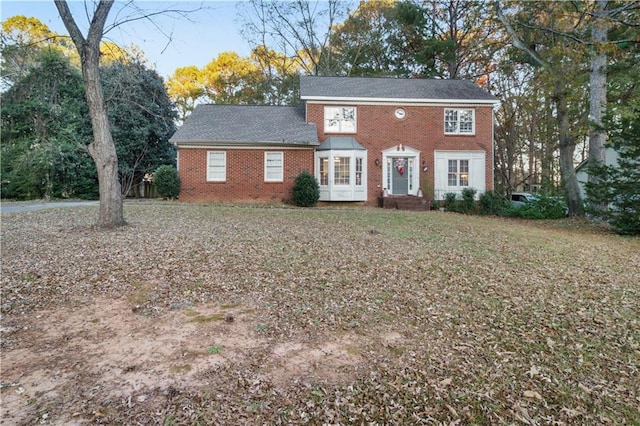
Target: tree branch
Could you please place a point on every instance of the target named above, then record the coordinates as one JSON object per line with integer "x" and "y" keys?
{"x": 516, "y": 40}
{"x": 70, "y": 24}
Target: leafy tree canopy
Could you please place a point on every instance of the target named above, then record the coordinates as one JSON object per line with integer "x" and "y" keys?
{"x": 45, "y": 131}
{"x": 142, "y": 120}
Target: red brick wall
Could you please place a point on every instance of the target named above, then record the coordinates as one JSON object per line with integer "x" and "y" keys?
{"x": 422, "y": 129}
{"x": 245, "y": 175}
{"x": 377, "y": 129}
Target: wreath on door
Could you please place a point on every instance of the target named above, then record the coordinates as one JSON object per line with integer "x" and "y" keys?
{"x": 399, "y": 164}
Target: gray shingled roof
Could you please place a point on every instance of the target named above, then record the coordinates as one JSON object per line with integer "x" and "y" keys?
{"x": 340, "y": 143}
{"x": 417, "y": 89}
{"x": 246, "y": 124}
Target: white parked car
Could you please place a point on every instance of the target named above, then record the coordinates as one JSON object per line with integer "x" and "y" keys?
{"x": 521, "y": 198}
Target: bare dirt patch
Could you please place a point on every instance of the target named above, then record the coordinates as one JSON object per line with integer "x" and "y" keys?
{"x": 129, "y": 355}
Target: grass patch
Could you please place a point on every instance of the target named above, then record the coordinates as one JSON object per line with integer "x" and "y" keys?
{"x": 197, "y": 317}
{"x": 183, "y": 368}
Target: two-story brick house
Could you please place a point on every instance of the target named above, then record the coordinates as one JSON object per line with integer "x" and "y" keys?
{"x": 360, "y": 137}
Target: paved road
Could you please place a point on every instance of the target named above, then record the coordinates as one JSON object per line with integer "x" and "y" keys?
{"x": 27, "y": 207}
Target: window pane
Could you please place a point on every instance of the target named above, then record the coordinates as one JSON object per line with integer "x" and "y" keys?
{"x": 466, "y": 121}
{"x": 217, "y": 166}
{"x": 358, "y": 171}
{"x": 348, "y": 123}
{"x": 340, "y": 119}
{"x": 273, "y": 170}
{"x": 453, "y": 166}
{"x": 464, "y": 172}
{"x": 341, "y": 170}
{"x": 450, "y": 121}
{"x": 458, "y": 120}
{"x": 332, "y": 120}
{"x": 452, "y": 179}
{"x": 324, "y": 171}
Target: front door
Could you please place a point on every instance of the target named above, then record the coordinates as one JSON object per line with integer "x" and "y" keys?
{"x": 400, "y": 176}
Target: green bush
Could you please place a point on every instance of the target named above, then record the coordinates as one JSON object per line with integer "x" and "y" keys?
{"x": 450, "y": 203}
{"x": 306, "y": 191}
{"x": 493, "y": 203}
{"x": 167, "y": 181}
{"x": 468, "y": 204}
{"x": 544, "y": 207}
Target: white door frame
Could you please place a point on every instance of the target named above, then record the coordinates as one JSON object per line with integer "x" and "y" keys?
{"x": 401, "y": 151}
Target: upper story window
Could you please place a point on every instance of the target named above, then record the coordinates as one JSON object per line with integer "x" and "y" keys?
{"x": 273, "y": 166}
{"x": 459, "y": 121}
{"x": 216, "y": 166}
{"x": 339, "y": 119}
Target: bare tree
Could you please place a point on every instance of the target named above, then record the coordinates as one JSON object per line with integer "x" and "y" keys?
{"x": 102, "y": 149}
{"x": 300, "y": 29}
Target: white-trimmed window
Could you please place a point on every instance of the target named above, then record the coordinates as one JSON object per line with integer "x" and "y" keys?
{"x": 341, "y": 170}
{"x": 458, "y": 173}
{"x": 273, "y": 166}
{"x": 359, "y": 161}
{"x": 459, "y": 121}
{"x": 339, "y": 119}
{"x": 324, "y": 171}
{"x": 216, "y": 166}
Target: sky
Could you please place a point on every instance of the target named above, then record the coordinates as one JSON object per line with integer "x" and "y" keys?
{"x": 167, "y": 42}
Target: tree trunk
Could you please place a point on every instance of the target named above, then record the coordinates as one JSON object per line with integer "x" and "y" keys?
{"x": 567, "y": 148}
{"x": 102, "y": 149}
{"x": 547, "y": 149}
{"x": 598, "y": 94}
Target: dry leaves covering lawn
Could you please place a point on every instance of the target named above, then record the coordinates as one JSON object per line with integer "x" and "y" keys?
{"x": 209, "y": 314}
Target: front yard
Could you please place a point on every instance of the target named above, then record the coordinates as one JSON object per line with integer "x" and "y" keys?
{"x": 209, "y": 314}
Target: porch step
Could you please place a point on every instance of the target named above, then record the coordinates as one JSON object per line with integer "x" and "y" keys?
{"x": 404, "y": 202}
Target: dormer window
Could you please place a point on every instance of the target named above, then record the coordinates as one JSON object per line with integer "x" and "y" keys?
{"x": 339, "y": 119}
{"x": 459, "y": 121}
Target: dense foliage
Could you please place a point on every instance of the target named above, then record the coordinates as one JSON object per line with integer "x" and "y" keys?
{"x": 46, "y": 128}
{"x": 167, "y": 181}
{"x": 542, "y": 207}
{"x": 620, "y": 184}
{"x": 142, "y": 120}
{"x": 306, "y": 191}
{"x": 492, "y": 203}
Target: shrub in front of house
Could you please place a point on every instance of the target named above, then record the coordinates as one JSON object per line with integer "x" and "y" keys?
{"x": 306, "y": 191}
{"x": 450, "y": 202}
{"x": 167, "y": 181}
{"x": 468, "y": 203}
{"x": 492, "y": 203}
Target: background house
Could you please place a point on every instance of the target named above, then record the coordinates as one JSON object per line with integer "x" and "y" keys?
{"x": 582, "y": 170}
{"x": 360, "y": 137}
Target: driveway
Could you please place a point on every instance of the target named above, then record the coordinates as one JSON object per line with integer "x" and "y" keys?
{"x": 27, "y": 207}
